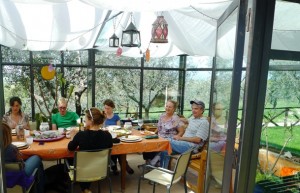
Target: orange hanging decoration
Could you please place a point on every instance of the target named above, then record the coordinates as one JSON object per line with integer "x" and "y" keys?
{"x": 147, "y": 55}
{"x": 48, "y": 72}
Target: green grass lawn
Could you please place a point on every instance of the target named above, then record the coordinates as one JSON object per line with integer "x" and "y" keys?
{"x": 277, "y": 137}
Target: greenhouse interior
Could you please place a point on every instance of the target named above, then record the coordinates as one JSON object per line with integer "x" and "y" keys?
{"x": 241, "y": 58}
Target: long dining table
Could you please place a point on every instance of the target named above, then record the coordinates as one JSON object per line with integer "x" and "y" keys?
{"x": 55, "y": 150}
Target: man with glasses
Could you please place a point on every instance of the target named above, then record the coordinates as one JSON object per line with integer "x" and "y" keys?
{"x": 64, "y": 118}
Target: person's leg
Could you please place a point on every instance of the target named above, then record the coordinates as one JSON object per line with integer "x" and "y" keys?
{"x": 128, "y": 168}
{"x": 30, "y": 165}
{"x": 178, "y": 147}
{"x": 114, "y": 167}
{"x": 85, "y": 186}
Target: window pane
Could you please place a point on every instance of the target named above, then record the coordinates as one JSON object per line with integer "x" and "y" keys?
{"x": 159, "y": 86}
{"x": 110, "y": 59}
{"x": 11, "y": 55}
{"x": 199, "y": 62}
{"x": 165, "y": 62}
{"x": 197, "y": 86}
{"x": 16, "y": 81}
{"x": 121, "y": 86}
{"x": 76, "y": 57}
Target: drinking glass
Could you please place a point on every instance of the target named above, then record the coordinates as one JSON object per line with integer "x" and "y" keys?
{"x": 140, "y": 123}
{"x": 29, "y": 140}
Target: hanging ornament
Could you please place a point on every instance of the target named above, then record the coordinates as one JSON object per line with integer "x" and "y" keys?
{"x": 119, "y": 51}
{"x": 48, "y": 72}
{"x": 147, "y": 55}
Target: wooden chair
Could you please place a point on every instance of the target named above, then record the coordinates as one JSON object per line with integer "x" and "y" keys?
{"x": 90, "y": 166}
{"x": 18, "y": 167}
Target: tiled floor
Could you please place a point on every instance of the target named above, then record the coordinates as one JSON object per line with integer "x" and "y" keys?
{"x": 132, "y": 180}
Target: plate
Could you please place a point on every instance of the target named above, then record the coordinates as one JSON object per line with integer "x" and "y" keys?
{"x": 131, "y": 138}
{"x": 19, "y": 144}
{"x": 113, "y": 127}
{"x": 49, "y": 139}
{"x": 131, "y": 141}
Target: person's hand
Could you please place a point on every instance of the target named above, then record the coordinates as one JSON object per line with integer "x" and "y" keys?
{"x": 73, "y": 132}
{"x": 176, "y": 137}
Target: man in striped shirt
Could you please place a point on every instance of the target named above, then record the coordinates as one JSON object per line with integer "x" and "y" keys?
{"x": 195, "y": 134}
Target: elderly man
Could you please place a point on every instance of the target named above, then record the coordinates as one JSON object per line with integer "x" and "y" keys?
{"x": 63, "y": 118}
{"x": 195, "y": 134}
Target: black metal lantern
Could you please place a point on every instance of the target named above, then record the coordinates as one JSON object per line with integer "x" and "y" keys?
{"x": 131, "y": 37}
{"x": 159, "y": 30}
{"x": 114, "y": 41}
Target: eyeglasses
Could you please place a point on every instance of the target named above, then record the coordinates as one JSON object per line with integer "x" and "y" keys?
{"x": 91, "y": 114}
{"x": 62, "y": 108}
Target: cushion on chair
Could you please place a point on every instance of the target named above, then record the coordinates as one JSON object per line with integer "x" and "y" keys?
{"x": 18, "y": 178}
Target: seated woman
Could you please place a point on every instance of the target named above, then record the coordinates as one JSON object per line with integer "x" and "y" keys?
{"x": 15, "y": 116}
{"x": 63, "y": 118}
{"x": 169, "y": 125}
{"x": 12, "y": 154}
{"x": 114, "y": 119}
{"x": 91, "y": 138}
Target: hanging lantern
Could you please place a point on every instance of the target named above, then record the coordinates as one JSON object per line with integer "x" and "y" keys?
{"x": 114, "y": 41}
{"x": 131, "y": 36}
{"x": 159, "y": 30}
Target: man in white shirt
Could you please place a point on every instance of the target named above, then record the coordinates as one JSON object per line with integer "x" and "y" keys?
{"x": 195, "y": 134}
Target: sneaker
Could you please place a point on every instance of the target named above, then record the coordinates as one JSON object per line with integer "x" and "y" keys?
{"x": 129, "y": 169}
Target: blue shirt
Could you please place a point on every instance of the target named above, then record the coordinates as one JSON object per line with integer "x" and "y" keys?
{"x": 112, "y": 121}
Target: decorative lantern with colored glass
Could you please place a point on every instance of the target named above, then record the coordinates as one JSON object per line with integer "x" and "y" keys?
{"x": 159, "y": 30}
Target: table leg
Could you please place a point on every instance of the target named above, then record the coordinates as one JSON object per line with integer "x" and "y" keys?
{"x": 123, "y": 171}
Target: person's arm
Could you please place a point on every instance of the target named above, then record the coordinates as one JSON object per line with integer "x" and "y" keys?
{"x": 190, "y": 139}
{"x": 54, "y": 127}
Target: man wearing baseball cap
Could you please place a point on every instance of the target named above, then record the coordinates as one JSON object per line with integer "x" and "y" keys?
{"x": 195, "y": 134}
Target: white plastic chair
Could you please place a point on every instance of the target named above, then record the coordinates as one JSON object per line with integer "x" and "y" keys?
{"x": 90, "y": 166}
{"x": 168, "y": 177}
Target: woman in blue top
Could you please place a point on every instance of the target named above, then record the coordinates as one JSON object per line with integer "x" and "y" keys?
{"x": 113, "y": 119}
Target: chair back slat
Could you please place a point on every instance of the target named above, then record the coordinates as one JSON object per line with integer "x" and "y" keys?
{"x": 182, "y": 164}
{"x": 91, "y": 165}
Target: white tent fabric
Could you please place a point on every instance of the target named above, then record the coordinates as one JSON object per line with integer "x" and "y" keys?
{"x": 83, "y": 24}
{"x": 74, "y": 24}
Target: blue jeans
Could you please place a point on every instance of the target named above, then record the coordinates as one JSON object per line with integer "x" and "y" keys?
{"x": 178, "y": 147}
{"x": 31, "y": 164}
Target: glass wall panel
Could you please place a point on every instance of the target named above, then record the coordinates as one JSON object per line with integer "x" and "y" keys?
{"x": 46, "y": 57}
{"x": 77, "y": 84}
{"x": 120, "y": 85}
{"x": 165, "y": 62}
{"x": 221, "y": 101}
{"x": 199, "y": 62}
{"x": 159, "y": 86}
{"x": 11, "y": 55}
{"x": 76, "y": 57}
{"x": 280, "y": 125}
{"x": 111, "y": 59}
{"x": 197, "y": 86}
{"x": 16, "y": 81}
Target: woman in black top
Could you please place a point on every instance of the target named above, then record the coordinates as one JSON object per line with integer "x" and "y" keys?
{"x": 92, "y": 138}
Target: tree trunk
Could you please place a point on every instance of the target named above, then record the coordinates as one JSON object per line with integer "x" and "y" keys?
{"x": 77, "y": 101}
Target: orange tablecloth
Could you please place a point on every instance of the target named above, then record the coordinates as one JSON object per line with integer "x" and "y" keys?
{"x": 58, "y": 149}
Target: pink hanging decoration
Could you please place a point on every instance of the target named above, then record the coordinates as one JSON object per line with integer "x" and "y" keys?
{"x": 50, "y": 68}
{"x": 119, "y": 51}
